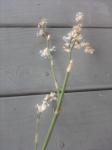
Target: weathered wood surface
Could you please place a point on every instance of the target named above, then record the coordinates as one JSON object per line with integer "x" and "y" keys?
{"x": 85, "y": 122}
{"x": 22, "y": 70}
{"x": 58, "y": 12}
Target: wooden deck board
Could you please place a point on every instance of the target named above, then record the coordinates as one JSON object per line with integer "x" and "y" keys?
{"x": 85, "y": 122}
{"x": 59, "y": 13}
{"x": 22, "y": 70}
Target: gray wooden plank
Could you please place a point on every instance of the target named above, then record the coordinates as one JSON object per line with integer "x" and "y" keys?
{"x": 60, "y": 12}
{"x": 85, "y": 122}
{"x": 22, "y": 70}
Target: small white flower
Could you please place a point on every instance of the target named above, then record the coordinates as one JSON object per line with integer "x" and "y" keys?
{"x": 79, "y": 16}
{"x": 48, "y": 37}
{"x": 66, "y": 47}
{"x": 41, "y": 108}
{"x": 44, "y": 53}
{"x": 46, "y": 97}
{"x": 70, "y": 34}
{"x": 50, "y": 97}
{"x": 53, "y": 96}
{"x": 41, "y": 27}
{"x": 42, "y": 23}
{"x": 77, "y": 45}
{"x": 77, "y": 29}
{"x": 79, "y": 37}
{"x": 40, "y": 33}
{"x": 67, "y": 50}
{"x": 46, "y": 102}
{"x": 66, "y": 38}
{"x": 89, "y": 50}
{"x": 53, "y": 49}
{"x": 84, "y": 44}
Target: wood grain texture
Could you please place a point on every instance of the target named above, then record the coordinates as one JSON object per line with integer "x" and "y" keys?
{"x": 85, "y": 122}
{"x": 22, "y": 70}
{"x": 59, "y": 12}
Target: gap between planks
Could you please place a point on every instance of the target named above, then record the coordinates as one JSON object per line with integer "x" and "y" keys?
{"x": 52, "y": 26}
{"x": 46, "y": 92}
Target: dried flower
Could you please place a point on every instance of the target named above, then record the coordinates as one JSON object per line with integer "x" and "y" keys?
{"x": 40, "y": 33}
{"x": 42, "y": 23}
{"x": 84, "y": 44}
{"x": 74, "y": 38}
{"x": 44, "y": 53}
{"x": 77, "y": 45}
{"x": 89, "y": 50}
{"x": 41, "y": 27}
{"x": 66, "y": 38}
{"x": 48, "y": 37}
{"x": 50, "y": 97}
{"x": 42, "y": 108}
{"x": 66, "y": 50}
{"x": 46, "y": 102}
{"x": 77, "y": 28}
{"x": 53, "y": 49}
{"x": 79, "y": 17}
{"x": 87, "y": 47}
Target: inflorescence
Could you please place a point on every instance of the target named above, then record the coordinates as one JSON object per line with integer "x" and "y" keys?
{"x": 73, "y": 40}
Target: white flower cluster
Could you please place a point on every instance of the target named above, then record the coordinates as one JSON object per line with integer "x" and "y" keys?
{"x": 42, "y": 33}
{"x": 87, "y": 47}
{"x": 79, "y": 17}
{"x": 42, "y": 27}
{"x": 74, "y": 38}
{"x": 45, "y": 52}
{"x": 46, "y": 102}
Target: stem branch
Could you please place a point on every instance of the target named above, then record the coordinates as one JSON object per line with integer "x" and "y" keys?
{"x": 56, "y": 113}
{"x": 59, "y": 103}
{"x": 58, "y": 107}
{"x": 53, "y": 70}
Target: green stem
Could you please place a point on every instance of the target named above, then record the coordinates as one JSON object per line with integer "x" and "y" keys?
{"x": 58, "y": 107}
{"x": 36, "y": 132}
{"x": 53, "y": 70}
{"x": 56, "y": 113}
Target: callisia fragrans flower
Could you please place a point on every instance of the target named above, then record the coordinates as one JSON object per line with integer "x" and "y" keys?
{"x": 75, "y": 39}
{"x": 46, "y": 102}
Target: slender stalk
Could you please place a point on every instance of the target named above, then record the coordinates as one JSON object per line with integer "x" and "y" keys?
{"x": 53, "y": 70}
{"x": 58, "y": 107}
{"x": 36, "y": 132}
{"x": 56, "y": 113}
{"x": 57, "y": 90}
{"x": 73, "y": 36}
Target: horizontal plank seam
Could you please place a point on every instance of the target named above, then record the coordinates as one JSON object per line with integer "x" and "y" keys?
{"x": 46, "y": 92}
{"x": 53, "y": 26}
